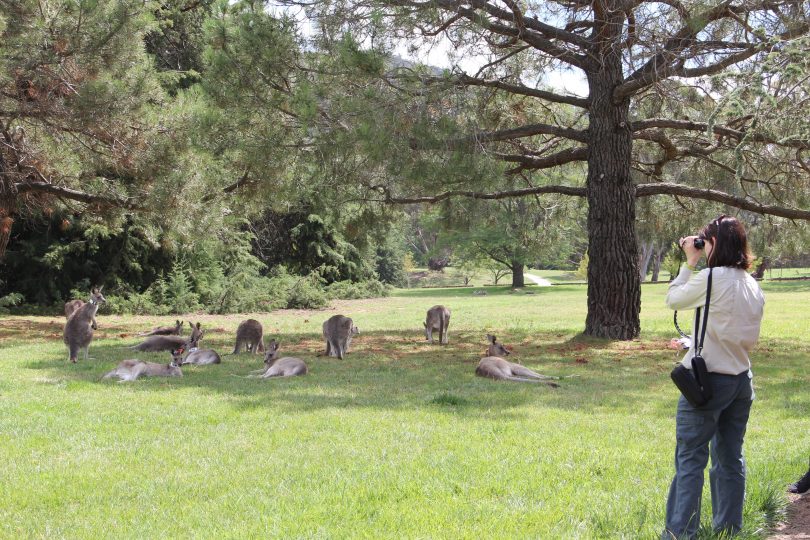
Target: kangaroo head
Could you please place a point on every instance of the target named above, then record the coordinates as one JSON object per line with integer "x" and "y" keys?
{"x": 177, "y": 357}
{"x": 177, "y": 326}
{"x": 355, "y": 330}
{"x": 271, "y": 355}
{"x": 96, "y": 297}
{"x": 496, "y": 349}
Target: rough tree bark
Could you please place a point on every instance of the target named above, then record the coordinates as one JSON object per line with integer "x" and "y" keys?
{"x": 517, "y": 275}
{"x": 614, "y": 287}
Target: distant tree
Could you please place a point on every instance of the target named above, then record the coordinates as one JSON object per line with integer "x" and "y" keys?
{"x": 746, "y": 60}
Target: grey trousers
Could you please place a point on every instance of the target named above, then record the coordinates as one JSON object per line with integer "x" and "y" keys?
{"x": 720, "y": 424}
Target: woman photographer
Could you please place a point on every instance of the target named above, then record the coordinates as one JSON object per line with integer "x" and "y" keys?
{"x": 718, "y": 427}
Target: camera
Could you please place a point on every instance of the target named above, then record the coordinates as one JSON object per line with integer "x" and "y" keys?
{"x": 699, "y": 243}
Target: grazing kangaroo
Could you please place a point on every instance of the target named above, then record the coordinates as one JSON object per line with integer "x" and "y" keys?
{"x": 495, "y": 367}
{"x": 438, "y": 318}
{"x": 280, "y": 367}
{"x": 165, "y": 330}
{"x": 250, "y": 334}
{"x": 80, "y": 325}
{"x": 130, "y": 370}
{"x": 170, "y": 343}
{"x": 338, "y": 332}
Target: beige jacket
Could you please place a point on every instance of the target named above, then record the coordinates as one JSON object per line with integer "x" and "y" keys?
{"x": 735, "y": 315}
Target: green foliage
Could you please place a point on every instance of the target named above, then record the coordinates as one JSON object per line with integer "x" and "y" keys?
{"x": 11, "y": 299}
{"x": 582, "y": 269}
{"x": 672, "y": 262}
{"x": 347, "y": 290}
{"x": 391, "y": 266}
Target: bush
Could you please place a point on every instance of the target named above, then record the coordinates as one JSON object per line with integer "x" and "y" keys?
{"x": 135, "y": 304}
{"x": 346, "y": 290}
{"x": 10, "y": 300}
{"x": 287, "y": 291}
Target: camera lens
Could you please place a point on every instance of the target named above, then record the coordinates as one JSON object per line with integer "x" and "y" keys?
{"x": 699, "y": 243}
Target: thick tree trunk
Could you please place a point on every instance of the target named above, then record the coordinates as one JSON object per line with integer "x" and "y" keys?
{"x": 647, "y": 251}
{"x": 763, "y": 265}
{"x": 657, "y": 263}
{"x": 614, "y": 289}
{"x": 517, "y": 275}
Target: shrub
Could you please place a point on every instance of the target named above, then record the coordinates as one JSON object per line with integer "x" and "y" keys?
{"x": 346, "y": 290}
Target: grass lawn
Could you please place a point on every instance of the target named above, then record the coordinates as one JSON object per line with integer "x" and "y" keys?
{"x": 399, "y": 440}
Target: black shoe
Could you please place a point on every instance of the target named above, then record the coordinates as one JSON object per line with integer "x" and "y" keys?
{"x": 802, "y": 485}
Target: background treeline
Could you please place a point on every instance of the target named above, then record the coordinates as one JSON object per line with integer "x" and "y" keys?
{"x": 211, "y": 155}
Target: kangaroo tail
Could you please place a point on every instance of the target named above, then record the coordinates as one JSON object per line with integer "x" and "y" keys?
{"x": 519, "y": 379}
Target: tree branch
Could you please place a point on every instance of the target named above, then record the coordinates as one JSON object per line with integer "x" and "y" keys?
{"x": 665, "y": 188}
{"x": 520, "y": 132}
{"x": 642, "y": 190}
{"x": 738, "y": 135}
{"x": 75, "y": 195}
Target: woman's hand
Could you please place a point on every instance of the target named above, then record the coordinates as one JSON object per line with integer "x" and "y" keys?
{"x": 693, "y": 254}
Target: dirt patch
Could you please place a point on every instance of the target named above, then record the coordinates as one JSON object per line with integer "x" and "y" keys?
{"x": 797, "y": 525}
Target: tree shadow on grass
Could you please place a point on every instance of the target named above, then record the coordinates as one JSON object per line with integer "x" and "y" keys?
{"x": 399, "y": 370}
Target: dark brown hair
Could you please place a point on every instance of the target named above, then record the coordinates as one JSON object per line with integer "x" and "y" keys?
{"x": 729, "y": 243}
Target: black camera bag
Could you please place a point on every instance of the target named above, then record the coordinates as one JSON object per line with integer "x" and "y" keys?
{"x": 694, "y": 384}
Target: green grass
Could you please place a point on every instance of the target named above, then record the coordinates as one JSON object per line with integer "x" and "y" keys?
{"x": 399, "y": 440}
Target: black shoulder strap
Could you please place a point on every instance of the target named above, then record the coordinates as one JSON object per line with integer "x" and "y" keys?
{"x": 699, "y": 343}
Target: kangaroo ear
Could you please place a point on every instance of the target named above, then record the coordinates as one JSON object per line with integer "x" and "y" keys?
{"x": 99, "y": 289}
{"x": 190, "y": 324}
{"x": 198, "y": 326}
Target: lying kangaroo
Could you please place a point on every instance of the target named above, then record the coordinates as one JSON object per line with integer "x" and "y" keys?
{"x": 280, "y": 367}
{"x": 438, "y": 318}
{"x": 201, "y": 357}
{"x": 165, "y": 330}
{"x": 338, "y": 332}
{"x": 169, "y": 343}
{"x": 130, "y": 370}
{"x": 80, "y": 325}
{"x": 250, "y": 334}
{"x": 495, "y": 367}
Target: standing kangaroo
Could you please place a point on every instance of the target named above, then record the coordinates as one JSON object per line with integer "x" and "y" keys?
{"x": 495, "y": 367}
{"x": 338, "y": 332}
{"x": 170, "y": 343}
{"x": 130, "y": 370}
{"x": 280, "y": 367}
{"x": 250, "y": 334}
{"x": 79, "y": 327}
{"x": 438, "y": 318}
{"x": 72, "y": 306}
{"x": 165, "y": 330}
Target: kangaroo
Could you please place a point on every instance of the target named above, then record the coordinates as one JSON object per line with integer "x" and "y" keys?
{"x": 165, "y": 330}
{"x": 280, "y": 367}
{"x": 72, "y": 306}
{"x": 250, "y": 334}
{"x": 438, "y": 318}
{"x": 169, "y": 343}
{"x": 495, "y": 367}
{"x": 130, "y": 370}
{"x": 201, "y": 357}
{"x": 80, "y": 325}
{"x": 338, "y": 332}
